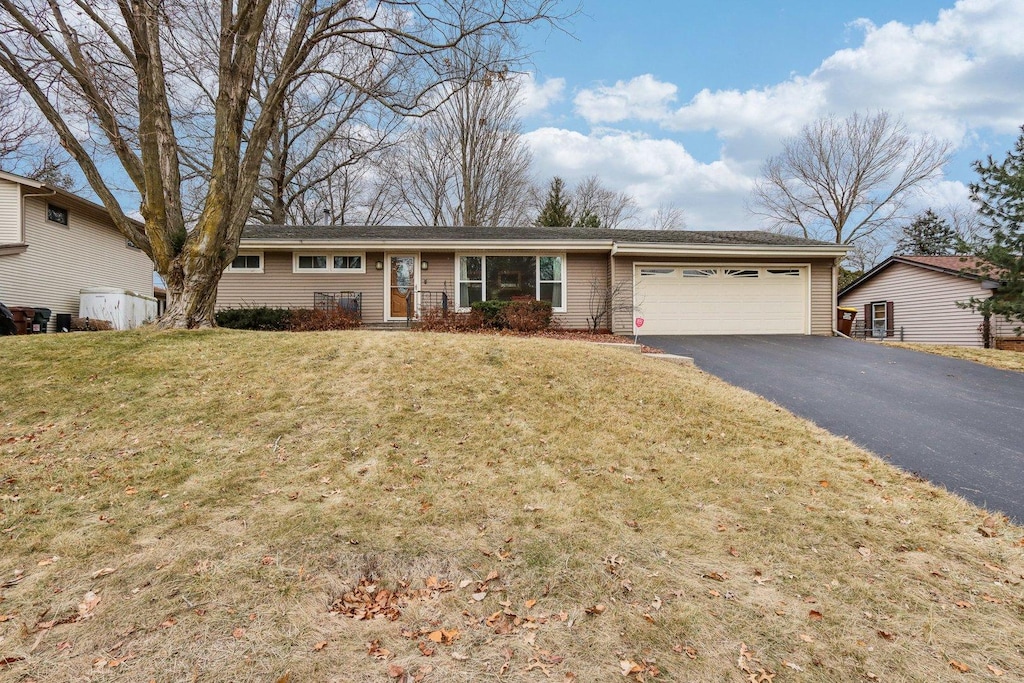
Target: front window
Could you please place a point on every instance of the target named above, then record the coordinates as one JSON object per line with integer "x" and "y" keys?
{"x": 508, "y": 277}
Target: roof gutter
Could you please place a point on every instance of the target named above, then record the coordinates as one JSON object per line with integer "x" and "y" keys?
{"x": 427, "y": 245}
{"x": 646, "y": 249}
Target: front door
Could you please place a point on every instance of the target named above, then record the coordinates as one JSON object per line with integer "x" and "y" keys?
{"x": 403, "y": 285}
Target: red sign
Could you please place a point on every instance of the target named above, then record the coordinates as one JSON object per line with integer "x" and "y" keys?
{"x": 639, "y": 322}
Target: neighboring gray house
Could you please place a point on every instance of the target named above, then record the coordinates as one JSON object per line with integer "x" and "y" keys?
{"x": 53, "y": 244}
{"x": 662, "y": 282}
{"x": 914, "y": 298}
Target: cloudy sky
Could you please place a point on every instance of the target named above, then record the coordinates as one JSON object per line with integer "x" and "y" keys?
{"x": 680, "y": 102}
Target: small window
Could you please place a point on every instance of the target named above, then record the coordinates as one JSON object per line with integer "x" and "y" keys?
{"x": 785, "y": 272}
{"x": 247, "y": 263}
{"x": 131, "y": 245}
{"x": 734, "y": 272}
{"x": 348, "y": 262}
{"x": 657, "y": 272}
{"x": 312, "y": 262}
{"x": 56, "y": 214}
{"x": 700, "y": 272}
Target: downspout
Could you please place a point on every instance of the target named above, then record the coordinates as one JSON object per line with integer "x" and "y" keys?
{"x": 51, "y": 193}
{"x": 835, "y": 298}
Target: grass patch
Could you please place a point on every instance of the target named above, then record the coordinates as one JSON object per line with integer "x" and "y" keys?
{"x": 528, "y": 507}
{"x": 996, "y": 358}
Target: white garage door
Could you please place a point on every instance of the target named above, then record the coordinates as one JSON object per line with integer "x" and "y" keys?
{"x": 721, "y": 299}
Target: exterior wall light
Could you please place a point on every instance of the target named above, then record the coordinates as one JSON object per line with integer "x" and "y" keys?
{"x": 379, "y": 265}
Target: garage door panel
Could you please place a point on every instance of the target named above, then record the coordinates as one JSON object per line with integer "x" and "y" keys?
{"x": 722, "y": 299}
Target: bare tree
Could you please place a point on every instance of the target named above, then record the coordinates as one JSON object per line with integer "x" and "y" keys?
{"x": 26, "y": 145}
{"x": 114, "y": 79}
{"x": 845, "y": 179}
{"x": 466, "y": 163}
{"x": 669, "y": 217}
{"x": 594, "y": 205}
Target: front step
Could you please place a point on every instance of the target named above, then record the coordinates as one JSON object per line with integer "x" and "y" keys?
{"x": 391, "y": 326}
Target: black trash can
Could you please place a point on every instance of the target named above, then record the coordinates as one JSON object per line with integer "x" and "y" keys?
{"x": 40, "y": 320}
{"x": 7, "y": 326}
{"x": 63, "y": 322}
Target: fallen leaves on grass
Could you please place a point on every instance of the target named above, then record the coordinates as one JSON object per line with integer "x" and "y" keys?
{"x": 368, "y": 601}
{"x": 959, "y": 666}
{"x": 88, "y": 604}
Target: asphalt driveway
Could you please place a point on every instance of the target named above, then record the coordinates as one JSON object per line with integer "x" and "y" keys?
{"x": 953, "y": 422}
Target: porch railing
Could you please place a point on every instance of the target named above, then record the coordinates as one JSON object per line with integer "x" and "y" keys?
{"x": 351, "y": 302}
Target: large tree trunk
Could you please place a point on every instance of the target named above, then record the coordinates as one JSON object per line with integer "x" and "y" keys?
{"x": 191, "y": 293}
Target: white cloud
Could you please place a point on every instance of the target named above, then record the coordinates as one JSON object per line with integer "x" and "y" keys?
{"x": 643, "y": 98}
{"x": 654, "y": 171}
{"x": 963, "y": 71}
{"x": 535, "y": 97}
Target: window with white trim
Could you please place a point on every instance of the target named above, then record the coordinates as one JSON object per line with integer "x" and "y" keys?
{"x": 505, "y": 277}
{"x": 351, "y": 262}
{"x": 329, "y": 263}
{"x": 247, "y": 263}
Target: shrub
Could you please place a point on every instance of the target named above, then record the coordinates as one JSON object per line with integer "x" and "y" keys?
{"x": 518, "y": 316}
{"x": 254, "y": 318}
{"x": 527, "y": 316}
{"x": 490, "y": 313}
{"x": 320, "y": 320}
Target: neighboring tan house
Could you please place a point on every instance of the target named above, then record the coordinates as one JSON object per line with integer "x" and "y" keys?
{"x": 914, "y": 299}
{"x": 53, "y": 244}
{"x": 660, "y": 282}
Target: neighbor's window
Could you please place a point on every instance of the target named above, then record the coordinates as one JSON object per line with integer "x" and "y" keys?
{"x": 56, "y": 214}
{"x": 507, "y": 277}
{"x": 249, "y": 263}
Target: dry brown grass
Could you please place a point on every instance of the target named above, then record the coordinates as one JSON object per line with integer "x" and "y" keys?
{"x": 1004, "y": 360}
{"x": 238, "y": 483}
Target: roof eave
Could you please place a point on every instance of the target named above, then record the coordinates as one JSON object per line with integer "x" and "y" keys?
{"x": 642, "y": 249}
{"x": 425, "y": 244}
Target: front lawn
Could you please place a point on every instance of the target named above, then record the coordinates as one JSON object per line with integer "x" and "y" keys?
{"x": 1004, "y": 360}
{"x": 374, "y": 506}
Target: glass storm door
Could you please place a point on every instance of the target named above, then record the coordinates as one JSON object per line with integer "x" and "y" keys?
{"x": 403, "y": 283}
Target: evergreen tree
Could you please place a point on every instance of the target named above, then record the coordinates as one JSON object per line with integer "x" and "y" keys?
{"x": 588, "y": 219}
{"x": 556, "y": 212}
{"x": 999, "y": 196}
{"x": 928, "y": 235}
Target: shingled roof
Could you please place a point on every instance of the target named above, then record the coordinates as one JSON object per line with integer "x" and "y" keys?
{"x": 374, "y": 233}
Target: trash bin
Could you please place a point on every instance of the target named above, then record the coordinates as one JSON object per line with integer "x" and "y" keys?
{"x": 63, "y": 322}
{"x": 6, "y": 322}
{"x": 23, "y": 318}
{"x": 40, "y": 320}
{"x": 844, "y": 319}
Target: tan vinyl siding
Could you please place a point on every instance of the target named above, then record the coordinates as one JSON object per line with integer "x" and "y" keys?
{"x": 924, "y": 304}
{"x": 10, "y": 212}
{"x": 582, "y": 273}
{"x": 60, "y": 261}
{"x": 822, "y": 298}
{"x": 277, "y": 286}
{"x": 439, "y": 277}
